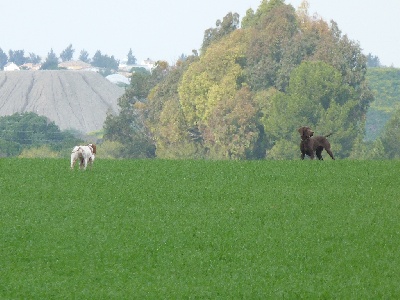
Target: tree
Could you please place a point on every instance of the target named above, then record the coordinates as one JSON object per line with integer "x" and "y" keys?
{"x": 373, "y": 61}
{"x": 3, "y": 59}
{"x": 17, "y": 57}
{"x": 165, "y": 118}
{"x": 84, "y": 56}
{"x": 129, "y": 127}
{"x": 249, "y": 90}
{"x": 217, "y": 105}
{"x": 51, "y": 62}
{"x": 27, "y": 130}
{"x": 67, "y": 53}
{"x": 318, "y": 98}
{"x": 391, "y": 136}
{"x": 273, "y": 50}
{"x": 105, "y": 62}
{"x": 34, "y": 59}
{"x": 255, "y": 19}
{"x": 229, "y": 23}
{"x": 131, "y": 58}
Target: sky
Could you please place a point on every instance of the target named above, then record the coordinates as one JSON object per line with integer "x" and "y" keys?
{"x": 163, "y": 30}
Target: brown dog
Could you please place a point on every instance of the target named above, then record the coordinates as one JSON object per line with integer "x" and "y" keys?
{"x": 310, "y": 145}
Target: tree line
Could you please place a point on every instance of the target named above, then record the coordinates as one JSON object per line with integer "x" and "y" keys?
{"x": 23, "y": 131}
{"x": 251, "y": 86}
{"x": 249, "y": 89}
{"x": 50, "y": 62}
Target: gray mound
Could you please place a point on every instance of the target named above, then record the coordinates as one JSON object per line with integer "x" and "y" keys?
{"x": 76, "y": 100}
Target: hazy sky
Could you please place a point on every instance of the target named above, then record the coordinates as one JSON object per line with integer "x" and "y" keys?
{"x": 161, "y": 29}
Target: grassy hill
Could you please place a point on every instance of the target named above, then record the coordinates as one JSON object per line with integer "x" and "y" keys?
{"x": 155, "y": 229}
{"x": 385, "y": 83}
{"x": 72, "y": 99}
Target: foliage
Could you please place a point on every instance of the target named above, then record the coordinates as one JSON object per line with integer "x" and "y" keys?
{"x": 104, "y": 61}
{"x": 43, "y": 151}
{"x": 251, "y": 88}
{"x": 316, "y": 97}
{"x": 28, "y": 130}
{"x": 162, "y": 229}
{"x": 391, "y": 136}
{"x": 17, "y": 57}
{"x": 51, "y": 62}
{"x": 3, "y": 59}
{"x": 129, "y": 126}
{"x": 229, "y": 24}
{"x": 385, "y": 84}
{"x": 110, "y": 150}
{"x": 373, "y": 61}
{"x": 84, "y": 56}
{"x": 253, "y": 19}
{"x": 173, "y": 137}
{"x": 131, "y": 58}
{"x": 33, "y": 58}
{"x": 216, "y": 103}
{"x": 67, "y": 53}
{"x": 368, "y": 150}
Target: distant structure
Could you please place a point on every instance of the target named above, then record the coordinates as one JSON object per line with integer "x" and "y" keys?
{"x": 147, "y": 64}
{"x": 30, "y": 66}
{"x": 11, "y": 67}
{"x": 76, "y": 65}
{"x": 118, "y": 79}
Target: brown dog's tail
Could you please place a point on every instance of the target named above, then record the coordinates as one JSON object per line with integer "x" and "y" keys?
{"x": 328, "y": 135}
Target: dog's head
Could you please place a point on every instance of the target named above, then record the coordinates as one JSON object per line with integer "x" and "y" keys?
{"x": 93, "y": 146}
{"x": 305, "y": 132}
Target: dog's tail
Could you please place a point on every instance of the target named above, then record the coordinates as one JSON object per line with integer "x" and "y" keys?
{"x": 328, "y": 135}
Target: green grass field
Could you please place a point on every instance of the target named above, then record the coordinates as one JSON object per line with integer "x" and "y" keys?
{"x": 158, "y": 229}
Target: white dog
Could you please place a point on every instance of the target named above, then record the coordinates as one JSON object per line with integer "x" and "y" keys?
{"x": 85, "y": 154}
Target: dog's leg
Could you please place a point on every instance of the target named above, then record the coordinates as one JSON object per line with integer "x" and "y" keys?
{"x": 81, "y": 163}
{"x": 72, "y": 160}
{"x": 85, "y": 161}
{"x": 318, "y": 153}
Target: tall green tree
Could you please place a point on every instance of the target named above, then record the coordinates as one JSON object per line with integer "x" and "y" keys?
{"x": 23, "y": 131}
{"x": 223, "y": 28}
{"x": 51, "y": 61}
{"x": 108, "y": 63}
{"x": 373, "y": 61}
{"x": 67, "y": 53}
{"x": 3, "y": 59}
{"x": 129, "y": 127}
{"x": 84, "y": 56}
{"x": 316, "y": 97}
{"x": 216, "y": 104}
{"x": 272, "y": 51}
{"x": 131, "y": 58}
{"x": 391, "y": 136}
{"x": 17, "y": 57}
{"x": 174, "y": 137}
{"x": 34, "y": 58}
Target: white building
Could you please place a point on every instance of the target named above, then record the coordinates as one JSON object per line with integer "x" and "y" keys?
{"x": 11, "y": 67}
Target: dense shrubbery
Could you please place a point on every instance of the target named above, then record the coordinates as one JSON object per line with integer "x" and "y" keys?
{"x": 21, "y": 132}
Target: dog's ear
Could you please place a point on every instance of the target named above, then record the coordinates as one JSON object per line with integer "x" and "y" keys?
{"x": 301, "y": 130}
